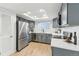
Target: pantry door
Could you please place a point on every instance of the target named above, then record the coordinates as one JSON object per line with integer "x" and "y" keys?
{"x": 6, "y": 36}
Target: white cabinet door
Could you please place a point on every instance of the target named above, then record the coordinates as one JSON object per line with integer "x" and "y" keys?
{"x": 6, "y": 36}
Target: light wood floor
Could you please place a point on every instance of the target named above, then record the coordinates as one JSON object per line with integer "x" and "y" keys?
{"x": 35, "y": 49}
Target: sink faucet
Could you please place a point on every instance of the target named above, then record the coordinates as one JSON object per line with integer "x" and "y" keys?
{"x": 43, "y": 30}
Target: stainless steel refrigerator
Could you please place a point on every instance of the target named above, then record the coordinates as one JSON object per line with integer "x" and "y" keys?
{"x": 22, "y": 35}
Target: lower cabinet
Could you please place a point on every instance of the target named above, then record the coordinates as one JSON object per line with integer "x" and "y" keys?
{"x": 63, "y": 52}
{"x": 30, "y": 36}
{"x": 48, "y": 38}
{"x": 45, "y": 38}
{"x": 38, "y": 37}
{"x": 33, "y": 36}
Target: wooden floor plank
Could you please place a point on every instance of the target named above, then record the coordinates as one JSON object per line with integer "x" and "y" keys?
{"x": 35, "y": 49}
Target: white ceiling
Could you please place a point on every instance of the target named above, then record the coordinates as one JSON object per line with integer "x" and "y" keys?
{"x": 50, "y": 10}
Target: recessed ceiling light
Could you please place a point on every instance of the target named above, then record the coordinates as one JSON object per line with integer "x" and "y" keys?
{"x": 25, "y": 14}
{"x": 42, "y": 10}
{"x": 44, "y": 15}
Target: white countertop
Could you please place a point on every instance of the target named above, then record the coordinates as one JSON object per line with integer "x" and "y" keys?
{"x": 41, "y": 32}
{"x": 60, "y": 43}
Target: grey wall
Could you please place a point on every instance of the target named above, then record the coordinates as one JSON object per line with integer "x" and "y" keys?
{"x": 73, "y": 14}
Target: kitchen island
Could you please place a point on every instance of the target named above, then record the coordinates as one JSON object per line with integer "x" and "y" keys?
{"x": 62, "y": 48}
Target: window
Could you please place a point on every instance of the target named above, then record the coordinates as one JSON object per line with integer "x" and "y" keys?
{"x": 43, "y": 26}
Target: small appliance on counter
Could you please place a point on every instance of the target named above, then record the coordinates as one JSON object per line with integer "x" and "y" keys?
{"x": 68, "y": 36}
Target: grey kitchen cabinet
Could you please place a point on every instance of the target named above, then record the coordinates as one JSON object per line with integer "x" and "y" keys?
{"x": 42, "y": 37}
{"x": 63, "y": 52}
{"x": 48, "y": 38}
{"x": 38, "y": 37}
{"x": 33, "y": 36}
{"x": 29, "y": 38}
{"x": 31, "y": 26}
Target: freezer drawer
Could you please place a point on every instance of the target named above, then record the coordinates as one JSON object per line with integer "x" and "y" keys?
{"x": 21, "y": 44}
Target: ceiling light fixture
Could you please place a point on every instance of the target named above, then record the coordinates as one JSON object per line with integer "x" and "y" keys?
{"x": 25, "y": 14}
{"x": 42, "y": 10}
{"x": 44, "y": 15}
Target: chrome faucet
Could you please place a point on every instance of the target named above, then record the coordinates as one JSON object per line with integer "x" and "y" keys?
{"x": 43, "y": 30}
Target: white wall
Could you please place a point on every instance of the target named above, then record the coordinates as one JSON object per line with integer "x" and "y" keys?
{"x": 13, "y": 21}
{"x": 0, "y": 38}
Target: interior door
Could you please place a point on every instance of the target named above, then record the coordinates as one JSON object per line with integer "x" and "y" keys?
{"x": 6, "y": 35}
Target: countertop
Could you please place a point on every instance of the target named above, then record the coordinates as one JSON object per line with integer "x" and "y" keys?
{"x": 42, "y": 32}
{"x": 60, "y": 43}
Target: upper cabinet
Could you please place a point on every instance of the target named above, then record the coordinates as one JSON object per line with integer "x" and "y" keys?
{"x": 73, "y": 14}
{"x": 70, "y": 14}
{"x": 31, "y": 26}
